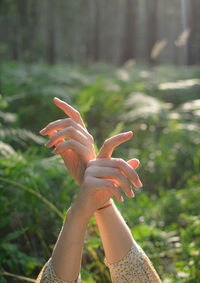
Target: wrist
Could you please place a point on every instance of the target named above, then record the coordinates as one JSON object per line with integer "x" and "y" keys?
{"x": 106, "y": 204}
{"x": 81, "y": 210}
{"x": 102, "y": 210}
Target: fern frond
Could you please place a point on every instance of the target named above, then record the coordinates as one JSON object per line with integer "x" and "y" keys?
{"x": 21, "y": 137}
{"x": 8, "y": 117}
{"x": 6, "y": 149}
{"x": 142, "y": 106}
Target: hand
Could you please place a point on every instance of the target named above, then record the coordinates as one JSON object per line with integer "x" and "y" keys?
{"x": 102, "y": 180}
{"x": 77, "y": 151}
{"x": 127, "y": 168}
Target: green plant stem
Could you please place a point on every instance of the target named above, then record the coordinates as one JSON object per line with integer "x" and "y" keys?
{"x": 38, "y": 195}
{"x": 18, "y": 277}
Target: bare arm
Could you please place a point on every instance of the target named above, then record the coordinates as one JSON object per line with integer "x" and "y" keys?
{"x": 126, "y": 260}
{"x": 115, "y": 234}
{"x": 116, "y": 237}
{"x": 66, "y": 258}
{"x": 67, "y": 254}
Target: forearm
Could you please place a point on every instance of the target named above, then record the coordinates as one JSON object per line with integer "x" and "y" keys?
{"x": 125, "y": 259}
{"x": 67, "y": 254}
{"x": 115, "y": 234}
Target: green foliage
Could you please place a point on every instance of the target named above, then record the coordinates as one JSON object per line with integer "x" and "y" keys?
{"x": 36, "y": 190}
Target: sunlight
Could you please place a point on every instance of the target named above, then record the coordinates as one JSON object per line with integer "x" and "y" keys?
{"x": 182, "y": 84}
{"x": 183, "y": 38}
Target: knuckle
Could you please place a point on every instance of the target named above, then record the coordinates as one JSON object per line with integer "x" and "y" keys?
{"x": 91, "y": 137}
{"x": 58, "y": 147}
{"x": 77, "y": 114}
{"x": 88, "y": 171}
{"x": 59, "y": 133}
{"x": 68, "y": 121}
{"x": 54, "y": 137}
{"x": 70, "y": 130}
{"x": 70, "y": 143}
{"x": 86, "y": 182}
{"x": 135, "y": 175}
{"x": 106, "y": 142}
{"x": 116, "y": 172}
{"x": 119, "y": 161}
{"x": 67, "y": 144}
{"x": 90, "y": 147}
{"x": 91, "y": 163}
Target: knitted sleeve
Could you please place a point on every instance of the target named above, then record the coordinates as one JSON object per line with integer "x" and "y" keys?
{"x": 133, "y": 267}
{"x": 48, "y": 275}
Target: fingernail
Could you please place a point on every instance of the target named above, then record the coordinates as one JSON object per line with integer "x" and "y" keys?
{"x": 139, "y": 184}
{"x": 42, "y": 131}
{"x": 128, "y": 133}
{"x": 131, "y": 194}
{"x": 57, "y": 98}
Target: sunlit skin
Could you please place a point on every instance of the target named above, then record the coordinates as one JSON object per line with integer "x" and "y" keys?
{"x": 78, "y": 150}
{"x": 100, "y": 178}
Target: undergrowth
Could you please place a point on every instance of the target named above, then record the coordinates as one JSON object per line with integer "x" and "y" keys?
{"x": 160, "y": 105}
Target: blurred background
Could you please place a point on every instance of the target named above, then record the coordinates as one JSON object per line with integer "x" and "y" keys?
{"x": 109, "y": 31}
{"x": 125, "y": 65}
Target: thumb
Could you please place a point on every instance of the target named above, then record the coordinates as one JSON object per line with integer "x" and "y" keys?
{"x": 109, "y": 145}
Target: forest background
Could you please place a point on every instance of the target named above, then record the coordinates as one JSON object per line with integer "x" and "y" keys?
{"x": 125, "y": 65}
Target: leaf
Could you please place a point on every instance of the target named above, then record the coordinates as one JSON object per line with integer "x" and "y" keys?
{"x": 14, "y": 235}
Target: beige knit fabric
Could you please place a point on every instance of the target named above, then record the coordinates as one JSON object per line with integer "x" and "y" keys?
{"x": 48, "y": 275}
{"x": 135, "y": 267}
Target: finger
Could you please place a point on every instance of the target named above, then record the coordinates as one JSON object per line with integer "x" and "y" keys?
{"x": 109, "y": 145}
{"x": 105, "y": 185}
{"x": 69, "y": 110}
{"x": 69, "y": 132}
{"x": 119, "y": 163}
{"x": 73, "y": 145}
{"x": 50, "y": 136}
{"x": 113, "y": 174}
{"x": 64, "y": 123}
{"x": 134, "y": 163}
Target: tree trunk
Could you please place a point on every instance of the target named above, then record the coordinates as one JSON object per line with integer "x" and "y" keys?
{"x": 34, "y": 16}
{"x": 151, "y": 24}
{"x": 88, "y": 32}
{"x": 194, "y": 39}
{"x": 129, "y": 33}
{"x": 96, "y": 43}
{"x": 51, "y": 49}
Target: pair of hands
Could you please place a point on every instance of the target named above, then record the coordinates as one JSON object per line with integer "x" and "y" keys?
{"x": 99, "y": 176}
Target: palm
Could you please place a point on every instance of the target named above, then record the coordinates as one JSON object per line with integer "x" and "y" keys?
{"x": 77, "y": 164}
{"x": 77, "y": 157}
